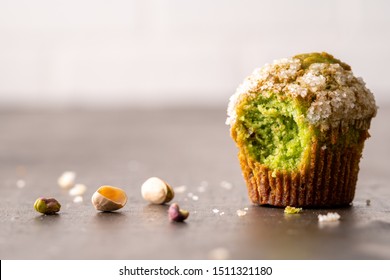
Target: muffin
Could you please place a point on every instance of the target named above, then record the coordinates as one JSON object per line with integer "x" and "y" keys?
{"x": 300, "y": 124}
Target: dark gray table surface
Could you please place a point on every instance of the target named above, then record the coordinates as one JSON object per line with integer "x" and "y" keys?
{"x": 190, "y": 147}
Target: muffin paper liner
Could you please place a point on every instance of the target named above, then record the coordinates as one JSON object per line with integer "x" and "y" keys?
{"x": 327, "y": 180}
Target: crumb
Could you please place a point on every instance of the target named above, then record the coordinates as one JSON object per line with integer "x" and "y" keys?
{"x": 20, "y": 183}
{"x": 180, "y": 189}
{"x": 329, "y": 217}
{"x": 195, "y": 197}
{"x": 78, "y": 189}
{"x": 66, "y": 180}
{"x": 246, "y": 208}
{"x": 215, "y": 211}
{"x": 78, "y": 199}
{"x": 292, "y": 210}
{"x": 219, "y": 254}
{"x": 222, "y": 213}
{"x": 241, "y": 213}
{"x": 368, "y": 202}
{"x": 226, "y": 185}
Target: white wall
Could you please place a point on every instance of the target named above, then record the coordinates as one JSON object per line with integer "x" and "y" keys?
{"x": 122, "y": 52}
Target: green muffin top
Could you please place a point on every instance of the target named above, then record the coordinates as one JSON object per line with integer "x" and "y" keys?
{"x": 279, "y": 108}
{"x": 324, "y": 86}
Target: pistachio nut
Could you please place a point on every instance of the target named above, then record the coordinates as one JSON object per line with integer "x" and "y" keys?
{"x": 176, "y": 214}
{"x": 109, "y": 198}
{"x": 66, "y": 180}
{"x": 157, "y": 191}
{"x": 48, "y": 206}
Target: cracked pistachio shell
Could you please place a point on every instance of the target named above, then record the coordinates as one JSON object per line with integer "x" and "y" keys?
{"x": 109, "y": 198}
{"x": 157, "y": 191}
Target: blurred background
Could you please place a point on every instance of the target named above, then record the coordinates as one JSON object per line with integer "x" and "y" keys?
{"x": 97, "y": 53}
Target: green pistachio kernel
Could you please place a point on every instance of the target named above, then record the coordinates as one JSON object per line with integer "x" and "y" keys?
{"x": 308, "y": 59}
{"x": 292, "y": 210}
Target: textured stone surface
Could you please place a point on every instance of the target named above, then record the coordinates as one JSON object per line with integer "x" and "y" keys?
{"x": 183, "y": 147}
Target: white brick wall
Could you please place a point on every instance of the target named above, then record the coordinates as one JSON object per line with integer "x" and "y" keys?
{"x": 176, "y": 51}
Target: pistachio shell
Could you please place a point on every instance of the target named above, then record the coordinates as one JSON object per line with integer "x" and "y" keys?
{"x": 109, "y": 198}
{"x": 156, "y": 191}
